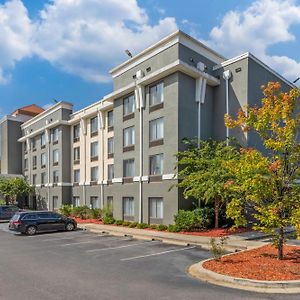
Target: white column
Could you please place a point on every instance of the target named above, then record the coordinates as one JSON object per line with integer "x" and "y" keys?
{"x": 227, "y": 76}
{"x": 83, "y": 132}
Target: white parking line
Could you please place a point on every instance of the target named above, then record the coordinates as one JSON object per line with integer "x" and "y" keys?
{"x": 72, "y": 237}
{"x": 96, "y": 241}
{"x": 158, "y": 253}
{"x": 119, "y": 247}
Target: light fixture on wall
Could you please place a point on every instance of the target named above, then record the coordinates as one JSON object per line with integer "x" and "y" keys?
{"x": 128, "y": 53}
{"x": 296, "y": 80}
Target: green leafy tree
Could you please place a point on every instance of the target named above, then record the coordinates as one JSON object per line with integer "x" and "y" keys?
{"x": 202, "y": 173}
{"x": 268, "y": 182}
{"x": 11, "y": 188}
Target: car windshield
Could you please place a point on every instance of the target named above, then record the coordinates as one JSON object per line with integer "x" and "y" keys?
{"x": 16, "y": 217}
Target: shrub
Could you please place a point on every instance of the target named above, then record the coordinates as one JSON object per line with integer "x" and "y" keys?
{"x": 133, "y": 224}
{"x": 106, "y": 212}
{"x": 108, "y": 220}
{"x": 96, "y": 213}
{"x": 173, "y": 228}
{"x": 119, "y": 222}
{"x": 218, "y": 249}
{"x": 2, "y": 202}
{"x": 200, "y": 218}
{"x": 126, "y": 223}
{"x": 142, "y": 226}
{"x": 66, "y": 210}
{"x": 153, "y": 226}
{"x": 162, "y": 227}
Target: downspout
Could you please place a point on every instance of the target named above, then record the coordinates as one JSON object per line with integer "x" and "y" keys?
{"x": 101, "y": 128}
{"x": 48, "y": 165}
{"x": 83, "y": 131}
{"x": 227, "y": 76}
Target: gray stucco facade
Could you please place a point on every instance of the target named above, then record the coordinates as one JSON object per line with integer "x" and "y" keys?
{"x": 179, "y": 92}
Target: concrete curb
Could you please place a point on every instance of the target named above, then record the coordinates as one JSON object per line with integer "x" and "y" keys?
{"x": 261, "y": 286}
{"x": 170, "y": 238}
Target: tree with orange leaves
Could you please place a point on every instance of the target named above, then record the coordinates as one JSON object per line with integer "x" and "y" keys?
{"x": 269, "y": 183}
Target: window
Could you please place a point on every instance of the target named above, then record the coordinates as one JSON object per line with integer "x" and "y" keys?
{"x": 34, "y": 162}
{"x": 156, "y": 164}
{"x": 94, "y": 150}
{"x": 76, "y": 201}
{"x": 128, "y": 168}
{"x": 110, "y": 200}
{"x": 128, "y": 105}
{"x": 94, "y": 174}
{"x": 128, "y": 136}
{"x": 156, "y": 94}
{"x": 25, "y": 164}
{"x": 94, "y": 202}
{"x": 76, "y": 132}
{"x": 30, "y": 217}
{"x": 110, "y": 172}
{"x": 156, "y": 208}
{"x": 110, "y": 118}
{"x": 43, "y": 139}
{"x": 77, "y": 154}
{"x": 94, "y": 125}
{"x": 43, "y": 178}
{"x": 55, "y": 202}
{"x": 55, "y": 135}
{"x": 77, "y": 176}
{"x": 55, "y": 176}
{"x": 34, "y": 179}
{"x": 43, "y": 160}
{"x": 33, "y": 143}
{"x": 156, "y": 129}
{"x": 128, "y": 207}
{"x": 110, "y": 146}
{"x": 55, "y": 156}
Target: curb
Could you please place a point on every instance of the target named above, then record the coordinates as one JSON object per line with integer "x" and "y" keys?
{"x": 261, "y": 286}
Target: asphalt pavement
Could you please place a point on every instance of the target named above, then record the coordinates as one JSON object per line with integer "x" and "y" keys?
{"x": 84, "y": 265}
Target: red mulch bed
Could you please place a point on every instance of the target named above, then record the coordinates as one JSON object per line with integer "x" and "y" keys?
{"x": 260, "y": 264}
{"x": 80, "y": 221}
{"x": 217, "y": 232}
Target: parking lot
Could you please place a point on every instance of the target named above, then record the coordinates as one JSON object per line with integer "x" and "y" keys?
{"x": 83, "y": 265}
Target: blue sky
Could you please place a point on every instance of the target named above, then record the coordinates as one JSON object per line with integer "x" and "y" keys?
{"x": 63, "y": 49}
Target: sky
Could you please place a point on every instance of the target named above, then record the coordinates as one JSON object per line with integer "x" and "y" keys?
{"x": 64, "y": 49}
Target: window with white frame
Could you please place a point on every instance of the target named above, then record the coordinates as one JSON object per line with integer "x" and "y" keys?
{"x": 128, "y": 136}
{"x": 33, "y": 143}
{"x": 34, "y": 179}
{"x": 156, "y": 209}
{"x": 34, "y": 161}
{"x": 77, "y": 154}
{"x": 76, "y": 176}
{"x": 110, "y": 201}
{"x": 156, "y": 94}
{"x": 76, "y": 132}
{"x": 76, "y": 201}
{"x": 43, "y": 160}
{"x": 110, "y": 172}
{"x": 94, "y": 201}
{"x": 94, "y": 174}
{"x": 94, "y": 125}
{"x": 128, "y": 206}
{"x": 43, "y": 178}
{"x": 110, "y": 145}
{"x": 128, "y": 105}
{"x": 55, "y": 133}
{"x": 25, "y": 164}
{"x": 43, "y": 139}
{"x": 94, "y": 149}
{"x": 55, "y": 156}
{"x": 128, "y": 167}
{"x": 156, "y": 164}
{"x": 55, "y": 202}
{"x": 156, "y": 128}
{"x": 55, "y": 176}
{"x": 110, "y": 118}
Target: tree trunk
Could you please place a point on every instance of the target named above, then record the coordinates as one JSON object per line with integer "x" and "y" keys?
{"x": 6, "y": 200}
{"x": 280, "y": 244}
{"x": 217, "y": 207}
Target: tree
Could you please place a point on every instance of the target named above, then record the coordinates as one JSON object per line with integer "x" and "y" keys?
{"x": 202, "y": 173}
{"x": 268, "y": 182}
{"x": 11, "y": 188}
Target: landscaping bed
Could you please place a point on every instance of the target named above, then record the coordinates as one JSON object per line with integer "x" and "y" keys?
{"x": 259, "y": 264}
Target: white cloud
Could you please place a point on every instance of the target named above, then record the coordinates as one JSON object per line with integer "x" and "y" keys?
{"x": 15, "y": 34}
{"x": 265, "y": 23}
{"x": 86, "y": 38}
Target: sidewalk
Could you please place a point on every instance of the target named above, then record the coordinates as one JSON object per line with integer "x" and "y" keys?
{"x": 234, "y": 243}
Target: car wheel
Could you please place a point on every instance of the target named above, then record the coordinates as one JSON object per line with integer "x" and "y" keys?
{"x": 70, "y": 227}
{"x": 31, "y": 230}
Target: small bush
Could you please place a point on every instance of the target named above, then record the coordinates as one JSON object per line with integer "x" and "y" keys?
{"x": 198, "y": 219}
{"x": 119, "y": 222}
{"x": 126, "y": 223}
{"x": 142, "y": 226}
{"x": 173, "y": 228}
{"x": 2, "y": 202}
{"x": 218, "y": 249}
{"x": 162, "y": 227}
{"x": 66, "y": 210}
{"x": 133, "y": 224}
{"x": 96, "y": 213}
{"x": 108, "y": 220}
{"x": 153, "y": 226}
{"x": 106, "y": 212}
